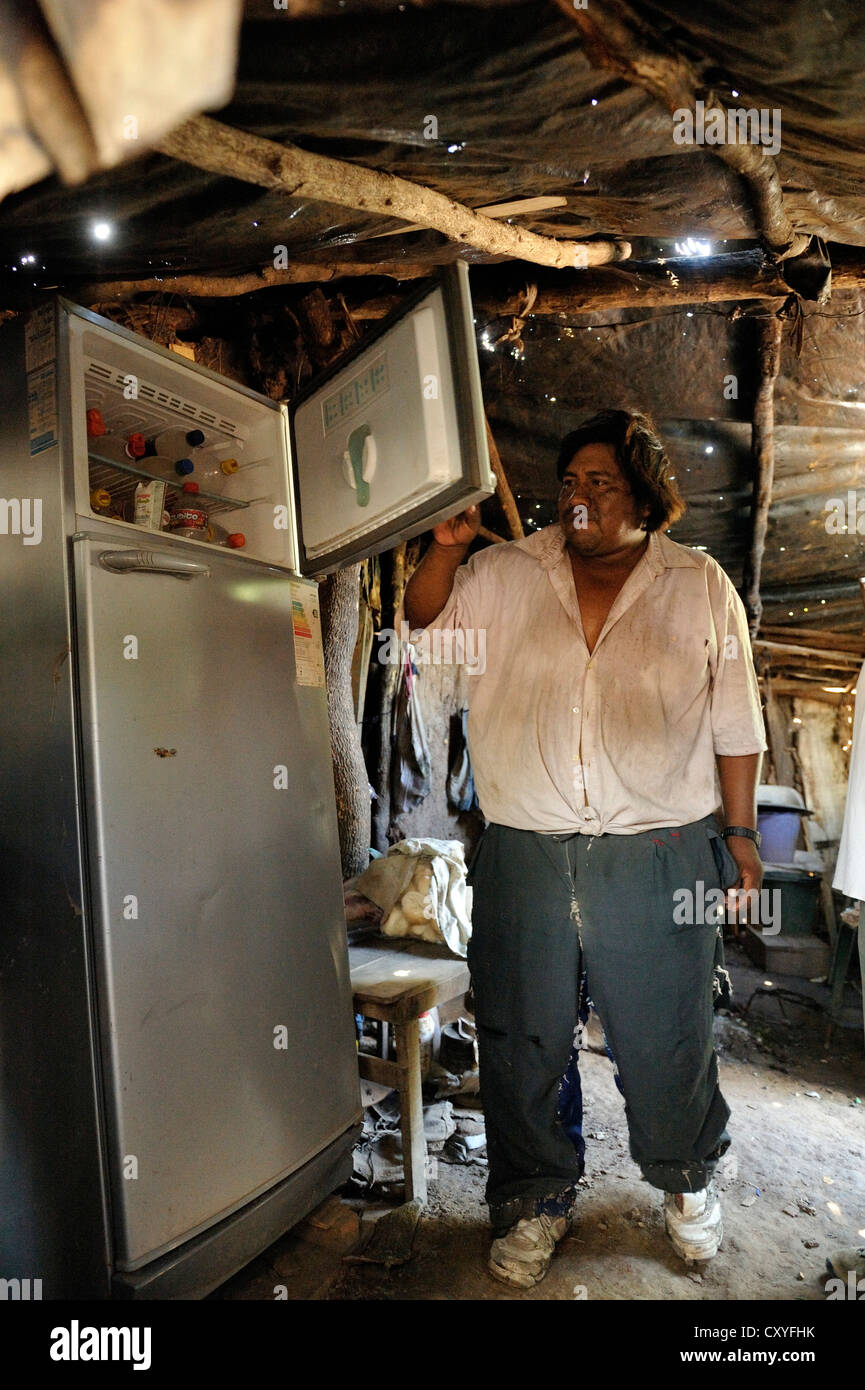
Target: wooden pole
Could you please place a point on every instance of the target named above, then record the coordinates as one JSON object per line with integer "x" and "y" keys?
{"x": 845, "y": 642}
{"x": 617, "y": 39}
{"x": 221, "y": 149}
{"x": 735, "y": 277}
{"x": 777, "y": 728}
{"x": 388, "y": 677}
{"x": 503, "y": 487}
{"x": 340, "y": 594}
{"x": 763, "y": 456}
{"x": 819, "y": 656}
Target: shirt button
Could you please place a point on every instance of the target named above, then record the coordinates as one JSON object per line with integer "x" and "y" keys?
{"x": 576, "y": 709}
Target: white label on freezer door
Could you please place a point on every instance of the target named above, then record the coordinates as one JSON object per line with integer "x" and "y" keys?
{"x": 306, "y": 625}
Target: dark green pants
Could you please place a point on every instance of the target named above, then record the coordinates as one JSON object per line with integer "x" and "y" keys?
{"x": 548, "y": 908}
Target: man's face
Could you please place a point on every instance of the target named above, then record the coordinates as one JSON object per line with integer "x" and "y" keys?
{"x": 597, "y": 512}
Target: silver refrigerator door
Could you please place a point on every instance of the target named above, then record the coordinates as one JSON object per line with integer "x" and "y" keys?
{"x": 224, "y": 998}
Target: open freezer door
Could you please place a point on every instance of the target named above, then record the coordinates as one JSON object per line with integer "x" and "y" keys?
{"x": 392, "y": 439}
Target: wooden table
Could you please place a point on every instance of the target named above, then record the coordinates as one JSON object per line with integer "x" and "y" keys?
{"x": 395, "y": 980}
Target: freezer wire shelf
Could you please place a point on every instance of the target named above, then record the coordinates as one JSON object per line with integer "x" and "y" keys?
{"x": 121, "y": 480}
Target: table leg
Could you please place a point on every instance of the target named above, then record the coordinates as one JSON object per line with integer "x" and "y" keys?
{"x": 411, "y": 1110}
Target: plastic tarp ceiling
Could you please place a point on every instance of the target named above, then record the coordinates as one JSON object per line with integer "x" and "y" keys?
{"x": 519, "y": 112}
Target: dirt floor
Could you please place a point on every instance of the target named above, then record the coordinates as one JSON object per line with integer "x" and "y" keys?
{"x": 793, "y": 1187}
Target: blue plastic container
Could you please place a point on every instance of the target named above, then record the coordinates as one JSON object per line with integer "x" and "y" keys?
{"x": 780, "y": 831}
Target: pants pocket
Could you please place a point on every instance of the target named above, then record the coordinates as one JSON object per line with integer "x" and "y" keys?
{"x": 728, "y": 869}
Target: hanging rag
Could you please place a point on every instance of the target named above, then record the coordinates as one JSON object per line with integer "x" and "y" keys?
{"x": 410, "y": 768}
{"x": 461, "y": 782}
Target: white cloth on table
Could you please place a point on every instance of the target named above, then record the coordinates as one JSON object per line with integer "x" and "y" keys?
{"x": 420, "y": 885}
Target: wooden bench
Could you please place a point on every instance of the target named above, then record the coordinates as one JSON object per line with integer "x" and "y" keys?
{"x": 395, "y": 980}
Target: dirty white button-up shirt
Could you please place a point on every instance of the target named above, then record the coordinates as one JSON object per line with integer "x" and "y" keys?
{"x": 619, "y": 741}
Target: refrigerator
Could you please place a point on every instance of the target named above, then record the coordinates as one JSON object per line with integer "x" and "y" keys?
{"x": 178, "y": 1071}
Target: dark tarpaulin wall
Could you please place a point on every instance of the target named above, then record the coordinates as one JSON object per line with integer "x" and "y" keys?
{"x": 677, "y": 365}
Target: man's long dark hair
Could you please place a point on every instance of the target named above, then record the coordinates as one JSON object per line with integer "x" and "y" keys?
{"x": 641, "y": 457}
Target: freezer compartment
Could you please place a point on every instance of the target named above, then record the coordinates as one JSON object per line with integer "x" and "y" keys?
{"x": 240, "y": 467}
{"x": 222, "y": 974}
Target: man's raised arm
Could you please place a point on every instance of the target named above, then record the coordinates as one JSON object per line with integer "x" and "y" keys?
{"x": 430, "y": 586}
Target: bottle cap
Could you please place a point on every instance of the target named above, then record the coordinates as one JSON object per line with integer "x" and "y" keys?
{"x": 190, "y": 487}
{"x": 194, "y": 438}
{"x": 229, "y": 466}
{"x": 236, "y": 540}
{"x": 184, "y": 466}
{"x": 136, "y": 446}
{"x": 95, "y": 424}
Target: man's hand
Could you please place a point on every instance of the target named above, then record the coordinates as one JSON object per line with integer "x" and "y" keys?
{"x": 460, "y": 529}
{"x": 750, "y": 865}
{"x": 738, "y": 775}
{"x": 430, "y": 586}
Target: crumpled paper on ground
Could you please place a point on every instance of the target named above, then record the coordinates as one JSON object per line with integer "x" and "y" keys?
{"x": 420, "y": 885}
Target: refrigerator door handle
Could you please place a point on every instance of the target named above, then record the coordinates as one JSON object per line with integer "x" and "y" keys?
{"x": 152, "y": 562}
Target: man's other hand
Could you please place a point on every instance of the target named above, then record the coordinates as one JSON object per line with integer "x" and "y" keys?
{"x": 460, "y": 529}
{"x": 750, "y": 866}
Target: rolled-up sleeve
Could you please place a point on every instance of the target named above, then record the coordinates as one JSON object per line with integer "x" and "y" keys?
{"x": 464, "y": 609}
{"x": 737, "y": 716}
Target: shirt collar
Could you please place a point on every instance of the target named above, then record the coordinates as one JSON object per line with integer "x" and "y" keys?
{"x": 547, "y": 546}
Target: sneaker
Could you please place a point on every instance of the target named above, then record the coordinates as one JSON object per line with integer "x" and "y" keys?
{"x": 693, "y": 1221}
{"x": 524, "y": 1254}
{"x": 844, "y": 1262}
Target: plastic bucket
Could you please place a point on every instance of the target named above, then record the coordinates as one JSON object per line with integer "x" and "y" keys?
{"x": 800, "y": 893}
{"x": 780, "y": 831}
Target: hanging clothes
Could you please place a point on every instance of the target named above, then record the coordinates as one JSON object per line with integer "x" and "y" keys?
{"x": 850, "y": 868}
{"x": 461, "y": 783}
{"x": 411, "y": 767}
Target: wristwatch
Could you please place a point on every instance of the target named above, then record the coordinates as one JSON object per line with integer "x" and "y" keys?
{"x": 745, "y": 830}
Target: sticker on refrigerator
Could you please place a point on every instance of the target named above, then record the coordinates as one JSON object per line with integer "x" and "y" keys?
{"x": 42, "y": 408}
{"x": 39, "y": 340}
{"x": 306, "y": 626}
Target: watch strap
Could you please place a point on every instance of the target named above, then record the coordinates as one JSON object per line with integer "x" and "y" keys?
{"x": 744, "y": 830}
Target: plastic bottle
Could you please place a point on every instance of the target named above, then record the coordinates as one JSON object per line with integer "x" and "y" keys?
{"x": 216, "y": 465}
{"x": 189, "y": 517}
{"x": 174, "y": 442}
{"x": 168, "y": 469}
{"x": 103, "y": 504}
{"x": 426, "y": 1037}
{"x": 100, "y": 501}
{"x": 218, "y": 535}
{"x": 214, "y": 470}
{"x": 118, "y": 448}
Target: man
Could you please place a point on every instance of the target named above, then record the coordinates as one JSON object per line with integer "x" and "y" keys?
{"x": 618, "y": 681}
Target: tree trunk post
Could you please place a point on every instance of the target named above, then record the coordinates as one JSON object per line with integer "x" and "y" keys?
{"x": 339, "y": 613}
